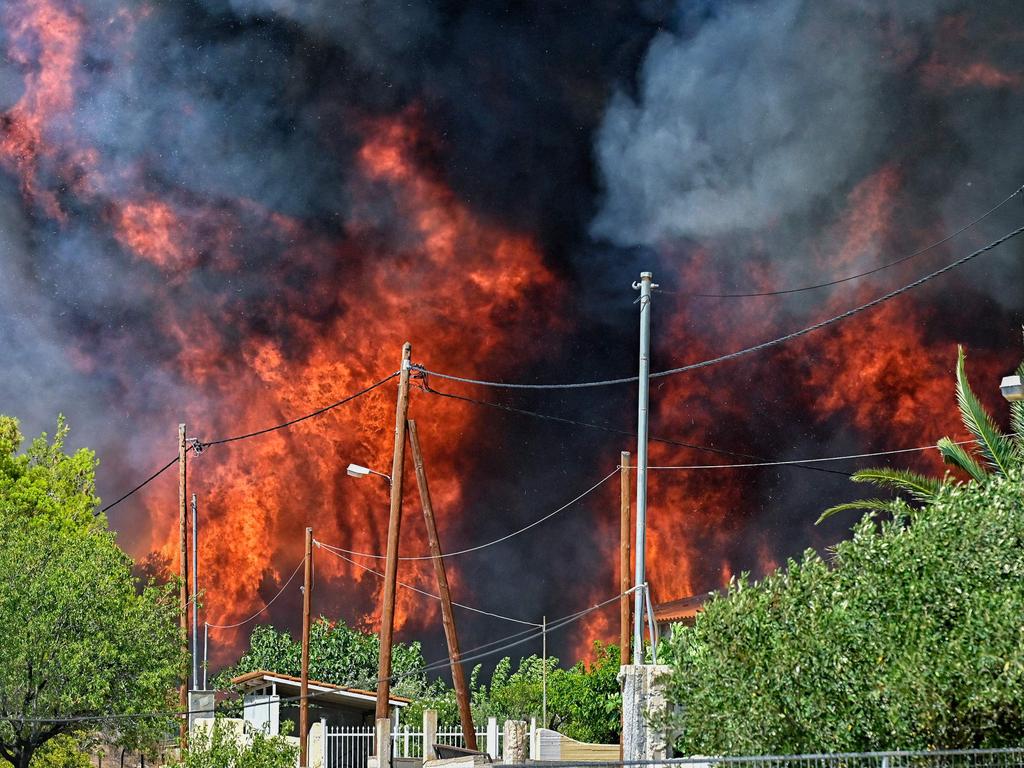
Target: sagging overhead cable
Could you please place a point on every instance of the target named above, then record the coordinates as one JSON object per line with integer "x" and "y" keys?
{"x": 741, "y": 352}
{"x": 858, "y": 275}
{"x": 331, "y": 550}
{"x": 491, "y": 543}
{"x": 198, "y": 446}
{"x": 473, "y": 654}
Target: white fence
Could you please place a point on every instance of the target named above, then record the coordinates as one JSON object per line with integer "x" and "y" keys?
{"x": 350, "y": 747}
{"x": 347, "y": 747}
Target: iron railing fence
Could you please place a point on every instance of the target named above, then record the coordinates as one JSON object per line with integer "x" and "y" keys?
{"x": 968, "y": 758}
{"x": 351, "y": 747}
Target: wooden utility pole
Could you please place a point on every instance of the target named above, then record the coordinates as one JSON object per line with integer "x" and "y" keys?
{"x": 183, "y": 541}
{"x": 625, "y": 531}
{"x": 387, "y": 612}
{"x": 447, "y": 615}
{"x": 307, "y": 596}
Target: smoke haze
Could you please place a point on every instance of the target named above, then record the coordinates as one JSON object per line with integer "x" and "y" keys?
{"x": 231, "y": 212}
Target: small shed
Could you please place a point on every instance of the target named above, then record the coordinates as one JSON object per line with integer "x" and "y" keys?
{"x": 271, "y": 698}
{"x": 681, "y": 611}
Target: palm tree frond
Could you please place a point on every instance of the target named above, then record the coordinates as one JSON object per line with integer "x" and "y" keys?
{"x": 958, "y": 456}
{"x": 920, "y": 487}
{"x": 998, "y": 449}
{"x": 880, "y": 505}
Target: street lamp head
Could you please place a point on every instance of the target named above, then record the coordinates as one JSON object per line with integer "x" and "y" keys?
{"x": 1012, "y": 388}
{"x": 354, "y": 470}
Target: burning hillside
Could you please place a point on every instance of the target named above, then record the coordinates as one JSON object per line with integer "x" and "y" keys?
{"x": 232, "y": 213}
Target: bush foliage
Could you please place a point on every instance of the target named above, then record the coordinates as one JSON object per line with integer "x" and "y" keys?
{"x": 584, "y": 701}
{"x": 911, "y": 638}
{"x": 218, "y": 747}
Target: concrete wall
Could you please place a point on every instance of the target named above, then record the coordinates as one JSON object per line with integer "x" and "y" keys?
{"x": 552, "y": 745}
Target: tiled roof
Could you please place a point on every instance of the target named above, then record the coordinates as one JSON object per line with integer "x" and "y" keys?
{"x": 684, "y": 609}
{"x": 262, "y": 674}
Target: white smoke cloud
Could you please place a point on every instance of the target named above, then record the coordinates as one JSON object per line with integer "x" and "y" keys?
{"x": 763, "y": 111}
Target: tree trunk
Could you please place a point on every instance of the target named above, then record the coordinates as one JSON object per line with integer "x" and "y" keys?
{"x": 24, "y": 756}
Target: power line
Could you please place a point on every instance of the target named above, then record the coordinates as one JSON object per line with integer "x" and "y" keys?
{"x": 818, "y": 459}
{"x": 143, "y": 484}
{"x": 310, "y": 415}
{"x": 506, "y": 537}
{"x": 473, "y": 654}
{"x": 858, "y": 275}
{"x": 198, "y": 445}
{"x": 368, "y": 569}
{"x": 747, "y": 350}
{"x": 613, "y": 430}
{"x": 265, "y": 605}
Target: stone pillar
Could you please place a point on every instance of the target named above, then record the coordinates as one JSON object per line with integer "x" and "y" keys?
{"x": 200, "y": 706}
{"x": 643, "y": 700}
{"x": 382, "y": 742}
{"x": 514, "y": 747}
{"x": 315, "y": 744}
{"x": 429, "y": 734}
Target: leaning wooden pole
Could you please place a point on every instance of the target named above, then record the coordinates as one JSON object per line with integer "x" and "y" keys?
{"x": 387, "y": 613}
{"x": 183, "y": 595}
{"x": 307, "y": 596}
{"x": 447, "y": 615}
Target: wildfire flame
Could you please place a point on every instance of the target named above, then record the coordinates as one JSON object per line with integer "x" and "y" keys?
{"x": 412, "y": 260}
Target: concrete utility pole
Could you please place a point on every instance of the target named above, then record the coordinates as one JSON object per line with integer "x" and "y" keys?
{"x": 387, "y": 613}
{"x": 183, "y": 594}
{"x": 447, "y": 615}
{"x": 307, "y": 596}
{"x": 624, "y": 533}
{"x": 544, "y": 671}
{"x": 195, "y": 597}
{"x": 645, "y": 285}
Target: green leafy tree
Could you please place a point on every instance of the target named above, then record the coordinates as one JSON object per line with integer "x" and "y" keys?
{"x": 585, "y": 701}
{"x": 440, "y": 697}
{"x": 911, "y": 638}
{"x": 997, "y": 453}
{"x": 82, "y": 641}
{"x": 514, "y": 694}
{"x": 220, "y": 747}
{"x": 62, "y": 751}
{"x": 338, "y": 654}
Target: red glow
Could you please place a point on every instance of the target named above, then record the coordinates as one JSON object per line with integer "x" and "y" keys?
{"x": 44, "y": 38}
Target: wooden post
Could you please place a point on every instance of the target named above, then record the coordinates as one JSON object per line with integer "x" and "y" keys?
{"x": 447, "y": 615}
{"x": 625, "y": 531}
{"x": 387, "y": 613}
{"x": 183, "y": 595}
{"x": 307, "y": 596}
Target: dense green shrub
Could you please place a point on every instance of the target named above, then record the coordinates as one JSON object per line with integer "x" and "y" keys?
{"x": 912, "y": 637}
{"x": 584, "y": 701}
{"x": 218, "y": 747}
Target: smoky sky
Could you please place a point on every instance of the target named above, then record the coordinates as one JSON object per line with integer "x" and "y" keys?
{"x": 621, "y": 136}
